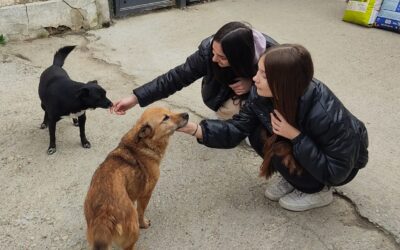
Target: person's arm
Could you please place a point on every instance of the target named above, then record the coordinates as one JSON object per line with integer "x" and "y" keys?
{"x": 193, "y": 129}
{"x": 174, "y": 80}
{"x": 224, "y": 134}
{"x": 166, "y": 84}
{"x": 120, "y": 107}
{"x": 331, "y": 159}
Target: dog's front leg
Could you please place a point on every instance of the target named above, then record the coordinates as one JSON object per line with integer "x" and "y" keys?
{"x": 141, "y": 207}
{"x": 82, "y": 121}
{"x": 52, "y": 132}
{"x": 45, "y": 121}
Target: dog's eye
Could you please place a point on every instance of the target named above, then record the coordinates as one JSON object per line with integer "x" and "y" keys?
{"x": 166, "y": 117}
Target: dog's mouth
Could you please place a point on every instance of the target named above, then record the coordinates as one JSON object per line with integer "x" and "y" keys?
{"x": 184, "y": 120}
{"x": 104, "y": 105}
{"x": 182, "y": 124}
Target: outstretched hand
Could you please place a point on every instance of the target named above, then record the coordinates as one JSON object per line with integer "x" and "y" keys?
{"x": 281, "y": 127}
{"x": 121, "y": 106}
{"x": 192, "y": 129}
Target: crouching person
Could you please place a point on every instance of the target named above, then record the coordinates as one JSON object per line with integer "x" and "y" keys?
{"x": 327, "y": 141}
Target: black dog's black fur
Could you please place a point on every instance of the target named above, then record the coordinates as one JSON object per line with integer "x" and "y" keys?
{"x": 61, "y": 96}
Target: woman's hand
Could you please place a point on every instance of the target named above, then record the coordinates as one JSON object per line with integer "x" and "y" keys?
{"x": 120, "y": 107}
{"x": 242, "y": 86}
{"x": 281, "y": 127}
{"x": 192, "y": 129}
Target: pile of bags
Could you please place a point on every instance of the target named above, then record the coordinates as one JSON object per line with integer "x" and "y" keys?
{"x": 383, "y": 14}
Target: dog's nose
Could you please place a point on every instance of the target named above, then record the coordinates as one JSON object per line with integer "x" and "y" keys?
{"x": 185, "y": 116}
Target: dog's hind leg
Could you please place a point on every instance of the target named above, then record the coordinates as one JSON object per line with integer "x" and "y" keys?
{"x": 52, "y": 132}
{"x": 133, "y": 232}
{"x": 82, "y": 120}
{"x": 75, "y": 122}
{"x": 127, "y": 232}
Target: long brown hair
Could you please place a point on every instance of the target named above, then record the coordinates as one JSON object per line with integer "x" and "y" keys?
{"x": 289, "y": 70}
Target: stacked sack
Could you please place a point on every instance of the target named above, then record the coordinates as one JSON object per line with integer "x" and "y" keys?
{"x": 389, "y": 16}
{"x": 363, "y": 12}
{"x": 382, "y": 14}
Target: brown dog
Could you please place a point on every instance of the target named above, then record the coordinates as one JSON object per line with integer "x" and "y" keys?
{"x": 129, "y": 174}
{"x": 282, "y": 149}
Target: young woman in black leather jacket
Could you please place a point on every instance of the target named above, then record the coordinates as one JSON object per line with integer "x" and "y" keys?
{"x": 328, "y": 142}
{"x": 227, "y": 62}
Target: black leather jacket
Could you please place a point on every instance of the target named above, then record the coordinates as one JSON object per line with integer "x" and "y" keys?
{"x": 332, "y": 141}
{"x": 196, "y": 66}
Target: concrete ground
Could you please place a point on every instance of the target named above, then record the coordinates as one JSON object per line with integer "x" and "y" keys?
{"x": 206, "y": 198}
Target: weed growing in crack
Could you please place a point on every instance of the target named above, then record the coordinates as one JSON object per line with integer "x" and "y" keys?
{"x": 2, "y": 39}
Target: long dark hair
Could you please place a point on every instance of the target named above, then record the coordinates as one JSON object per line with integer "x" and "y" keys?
{"x": 289, "y": 70}
{"x": 237, "y": 42}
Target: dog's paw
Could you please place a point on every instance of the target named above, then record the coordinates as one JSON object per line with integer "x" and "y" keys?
{"x": 145, "y": 223}
{"x": 43, "y": 126}
{"x": 86, "y": 144}
{"x": 75, "y": 122}
{"x": 51, "y": 151}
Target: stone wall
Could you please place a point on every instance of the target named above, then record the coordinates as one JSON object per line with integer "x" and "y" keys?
{"x": 39, "y": 18}
{"x": 15, "y": 2}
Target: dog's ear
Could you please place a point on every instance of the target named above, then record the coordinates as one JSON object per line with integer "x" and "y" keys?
{"x": 145, "y": 131}
{"x": 93, "y": 82}
{"x": 83, "y": 92}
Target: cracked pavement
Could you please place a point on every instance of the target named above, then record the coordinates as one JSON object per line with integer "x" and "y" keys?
{"x": 206, "y": 198}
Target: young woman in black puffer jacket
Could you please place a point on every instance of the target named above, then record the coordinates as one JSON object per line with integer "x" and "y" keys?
{"x": 227, "y": 61}
{"x": 328, "y": 142}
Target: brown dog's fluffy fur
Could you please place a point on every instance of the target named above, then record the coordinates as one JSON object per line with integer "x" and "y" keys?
{"x": 129, "y": 174}
{"x": 282, "y": 149}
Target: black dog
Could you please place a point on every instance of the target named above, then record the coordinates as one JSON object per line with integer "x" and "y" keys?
{"x": 60, "y": 96}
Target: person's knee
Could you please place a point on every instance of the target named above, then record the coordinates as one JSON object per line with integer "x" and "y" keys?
{"x": 305, "y": 182}
{"x": 228, "y": 109}
{"x": 257, "y": 143}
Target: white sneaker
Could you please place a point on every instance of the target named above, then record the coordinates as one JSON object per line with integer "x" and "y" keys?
{"x": 299, "y": 201}
{"x": 277, "y": 187}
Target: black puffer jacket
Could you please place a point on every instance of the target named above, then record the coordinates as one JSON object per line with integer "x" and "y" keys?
{"x": 332, "y": 141}
{"x": 196, "y": 66}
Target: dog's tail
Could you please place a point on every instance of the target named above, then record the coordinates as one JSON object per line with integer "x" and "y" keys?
{"x": 102, "y": 233}
{"x": 61, "y": 54}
